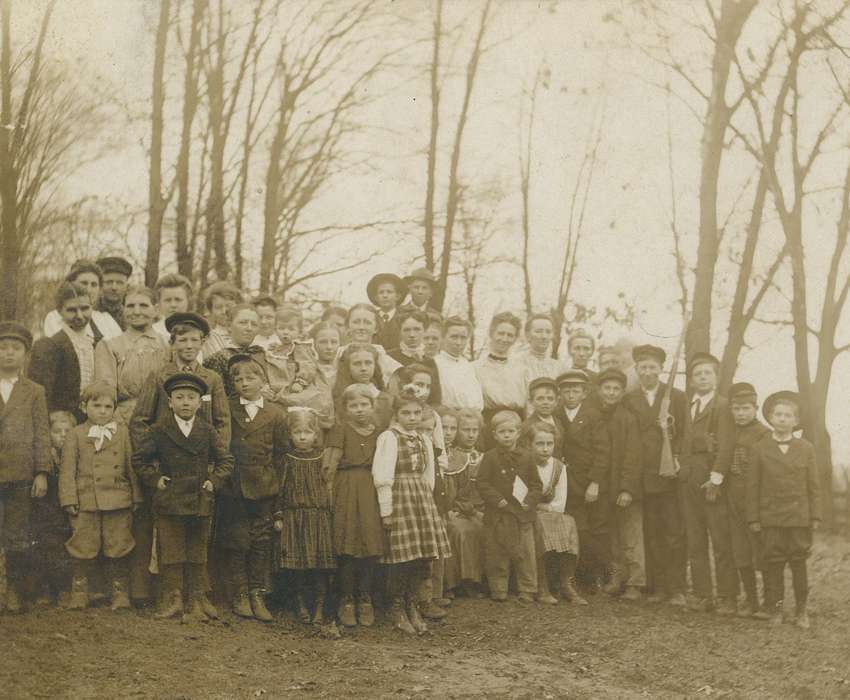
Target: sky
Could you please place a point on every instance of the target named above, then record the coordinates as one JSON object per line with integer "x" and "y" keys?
{"x": 596, "y": 75}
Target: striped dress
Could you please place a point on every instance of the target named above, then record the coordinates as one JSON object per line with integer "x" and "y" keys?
{"x": 304, "y": 506}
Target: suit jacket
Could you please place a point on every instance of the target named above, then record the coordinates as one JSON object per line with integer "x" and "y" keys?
{"x": 495, "y": 481}
{"x": 783, "y": 489}
{"x": 626, "y": 459}
{"x": 93, "y": 480}
{"x": 650, "y": 433}
{"x": 735, "y": 484}
{"x": 24, "y": 433}
{"x": 586, "y": 449}
{"x": 54, "y": 365}
{"x": 708, "y": 442}
{"x": 258, "y": 448}
{"x": 188, "y": 461}
{"x": 152, "y": 403}
{"x": 389, "y": 334}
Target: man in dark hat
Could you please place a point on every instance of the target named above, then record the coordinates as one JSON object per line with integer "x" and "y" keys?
{"x": 664, "y": 527}
{"x": 116, "y": 275}
{"x": 422, "y": 286}
{"x": 386, "y": 291}
{"x": 587, "y": 453}
{"x": 707, "y": 449}
{"x": 184, "y": 462}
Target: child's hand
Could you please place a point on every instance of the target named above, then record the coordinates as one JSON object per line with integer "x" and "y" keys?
{"x": 755, "y": 527}
{"x": 591, "y": 495}
{"x": 624, "y": 500}
{"x": 502, "y": 504}
{"x": 208, "y": 486}
{"x": 39, "y": 486}
{"x": 163, "y": 483}
{"x": 278, "y": 525}
{"x": 72, "y": 510}
{"x": 386, "y": 521}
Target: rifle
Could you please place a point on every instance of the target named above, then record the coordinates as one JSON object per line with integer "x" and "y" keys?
{"x": 669, "y": 466}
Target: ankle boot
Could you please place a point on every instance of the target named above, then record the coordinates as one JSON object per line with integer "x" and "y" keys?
{"x": 571, "y": 594}
{"x": 321, "y": 594}
{"x": 13, "y": 600}
{"x": 615, "y": 583}
{"x": 79, "y": 594}
{"x": 301, "y": 609}
{"x": 399, "y": 616}
{"x": 543, "y": 594}
{"x": 347, "y": 616}
{"x": 239, "y": 585}
{"x": 365, "y": 611}
{"x": 258, "y": 606}
{"x": 120, "y": 598}
{"x": 432, "y": 611}
{"x": 195, "y": 612}
{"x": 171, "y": 606}
{"x": 415, "y": 618}
{"x": 198, "y": 576}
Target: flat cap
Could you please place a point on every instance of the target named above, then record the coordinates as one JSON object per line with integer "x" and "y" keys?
{"x": 572, "y": 376}
{"x": 542, "y": 382}
{"x": 611, "y": 374}
{"x": 16, "y": 331}
{"x": 743, "y": 391}
{"x": 702, "y": 358}
{"x": 649, "y": 352}
{"x": 187, "y": 318}
{"x": 115, "y": 263}
{"x": 185, "y": 380}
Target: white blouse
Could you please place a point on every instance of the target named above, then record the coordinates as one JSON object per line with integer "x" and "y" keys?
{"x": 558, "y": 504}
{"x": 384, "y": 464}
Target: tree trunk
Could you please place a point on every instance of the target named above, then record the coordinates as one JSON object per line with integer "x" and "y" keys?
{"x": 271, "y": 205}
{"x": 8, "y": 176}
{"x": 432, "y": 141}
{"x": 156, "y": 201}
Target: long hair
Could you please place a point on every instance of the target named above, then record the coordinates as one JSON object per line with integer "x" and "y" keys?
{"x": 343, "y": 374}
{"x": 404, "y": 375}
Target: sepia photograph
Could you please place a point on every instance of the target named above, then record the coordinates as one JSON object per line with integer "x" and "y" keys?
{"x": 424, "y": 349}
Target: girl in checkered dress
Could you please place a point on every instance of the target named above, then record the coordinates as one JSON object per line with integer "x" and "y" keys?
{"x": 403, "y": 472}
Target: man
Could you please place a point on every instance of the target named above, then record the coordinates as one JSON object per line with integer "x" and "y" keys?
{"x": 587, "y": 454}
{"x": 116, "y": 275}
{"x": 664, "y": 528}
{"x": 707, "y": 449}
{"x": 386, "y": 291}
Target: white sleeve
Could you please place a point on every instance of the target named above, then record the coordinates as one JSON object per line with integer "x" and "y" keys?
{"x": 52, "y": 323}
{"x": 383, "y": 470}
{"x": 559, "y": 502}
{"x": 440, "y": 444}
{"x": 428, "y": 472}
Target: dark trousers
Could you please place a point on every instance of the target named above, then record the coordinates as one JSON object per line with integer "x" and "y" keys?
{"x": 704, "y": 520}
{"x": 664, "y": 532}
{"x": 592, "y": 522}
{"x": 244, "y": 529}
{"x": 15, "y": 516}
{"x": 141, "y": 580}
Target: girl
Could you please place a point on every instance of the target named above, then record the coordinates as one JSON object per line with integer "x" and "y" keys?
{"x": 555, "y": 533}
{"x": 303, "y": 515}
{"x": 127, "y": 361}
{"x": 358, "y": 533}
{"x": 358, "y": 364}
{"x": 465, "y": 519}
{"x": 327, "y": 338}
{"x": 336, "y": 316}
{"x": 403, "y": 472}
{"x": 432, "y": 339}
{"x": 360, "y": 327}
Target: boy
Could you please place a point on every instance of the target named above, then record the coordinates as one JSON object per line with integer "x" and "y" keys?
{"x": 24, "y": 454}
{"x": 458, "y": 379}
{"x": 543, "y": 400}
{"x": 173, "y": 296}
{"x": 386, "y": 291}
{"x": 706, "y": 456}
{"x": 586, "y": 451}
{"x": 422, "y": 286}
{"x": 116, "y": 276}
{"x": 260, "y": 441}
{"x": 174, "y": 458}
{"x": 743, "y": 402}
{"x": 609, "y": 358}
{"x": 98, "y": 489}
{"x": 783, "y": 504}
{"x": 628, "y": 567}
{"x": 219, "y": 299}
{"x": 267, "y": 311}
{"x": 580, "y": 346}
{"x": 510, "y": 487}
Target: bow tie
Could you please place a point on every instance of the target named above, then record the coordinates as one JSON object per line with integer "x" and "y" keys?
{"x": 497, "y": 358}
{"x": 102, "y": 433}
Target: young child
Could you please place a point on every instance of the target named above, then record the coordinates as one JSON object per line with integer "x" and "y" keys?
{"x": 465, "y": 522}
{"x": 784, "y": 504}
{"x": 510, "y": 487}
{"x": 267, "y": 312}
{"x": 327, "y": 339}
{"x": 24, "y": 455}
{"x": 186, "y": 461}
{"x": 555, "y": 533}
{"x": 99, "y": 490}
{"x": 358, "y": 364}
{"x": 543, "y": 400}
{"x": 746, "y": 547}
{"x": 304, "y": 517}
{"x": 403, "y": 472}
{"x": 50, "y": 528}
{"x": 247, "y": 502}
{"x": 358, "y": 533}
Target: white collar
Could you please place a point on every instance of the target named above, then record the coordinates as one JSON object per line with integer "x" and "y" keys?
{"x": 572, "y": 412}
{"x": 703, "y": 400}
{"x": 102, "y": 433}
{"x": 418, "y": 352}
{"x": 389, "y": 314}
{"x": 87, "y": 332}
{"x": 185, "y": 424}
{"x": 245, "y": 402}
{"x": 10, "y": 381}
{"x": 450, "y": 357}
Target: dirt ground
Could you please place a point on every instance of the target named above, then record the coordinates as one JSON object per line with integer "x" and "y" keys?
{"x": 610, "y": 649}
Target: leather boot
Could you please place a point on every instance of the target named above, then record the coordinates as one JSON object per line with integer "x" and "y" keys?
{"x": 195, "y": 612}
{"x": 415, "y": 618}
{"x": 120, "y": 575}
{"x": 543, "y": 594}
{"x": 239, "y": 585}
{"x": 432, "y": 611}
{"x": 301, "y": 609}
{"x": 347, "y": 616}
{"x": 198, "y": 578}
{"x": 571, "y": 594}
{"x": 172, "y": 605}
{"x": 79, "y": 594}
{"x": 615, "y": 584}
{"x": 365, "y": 611}
{"x": 258, "y": 606}
{"x": 399, "y": 616}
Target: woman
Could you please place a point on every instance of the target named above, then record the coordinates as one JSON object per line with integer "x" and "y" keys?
{"x": 88, "y": 275}
{"x": 244, "y": 324}
{"x": 502, "y": 379}
{"x": 361, "y": 325}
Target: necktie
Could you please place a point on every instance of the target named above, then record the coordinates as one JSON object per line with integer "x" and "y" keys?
{"x": 694, "y": 408}
{"x": 385, "y": 317}
{"x": 102, "y": 433}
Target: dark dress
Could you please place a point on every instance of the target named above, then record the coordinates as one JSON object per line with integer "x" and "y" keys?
{"x": 357, "y": 525}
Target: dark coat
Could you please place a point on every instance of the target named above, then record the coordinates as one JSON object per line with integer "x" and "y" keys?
{"x": 495, "y": 481}
{"x": 650, "y": 433}
{"x": 258, "y": 448}
{"x": 586, "y": 448}
{"x": 626, "y": 458}
{"x": 735, "y": 483}
{"x": 388, "y": 334}
{"x": 24, "y": 433}
{"x": 54, "y": 365}
{"x": 708, "y": 443}
{"x": 783, "y": 489}
{"x": 188, "y": 461}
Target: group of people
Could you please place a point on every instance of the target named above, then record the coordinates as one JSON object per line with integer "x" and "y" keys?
{"x": 152, "y": 454}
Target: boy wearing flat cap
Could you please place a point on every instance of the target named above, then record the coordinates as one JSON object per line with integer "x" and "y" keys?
{"x": 422, "y": 287}
{"x": 663, "y": 524}
{"x": 784, "y": 504}
{"x": 24, "y": 455}
{"x": 746, "y": 548}
{"x": 185, "y": 462}
{"x": 587, "y": 453}
{"x": 116, "y": 275}
{"x": 386, "y": 291}
{"x": 628, "y": 565}
{"x": 707, "y": 449}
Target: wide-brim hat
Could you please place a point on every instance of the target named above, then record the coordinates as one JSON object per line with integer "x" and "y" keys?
{"x": 702, "y": 358}
{"x": 423, "y": 274}
{"x": 187, "y": 318}
{"x": 16, "y": 331}
{"x": 572, "y": 376}
{"x": 773, "y": 399}
{"x": 381, "y": 278}
{"x": 185, "y": 380}
{"x": 115, "y": 263}
{"x": 651, "y": 352}
{"x": 611, "y": 374}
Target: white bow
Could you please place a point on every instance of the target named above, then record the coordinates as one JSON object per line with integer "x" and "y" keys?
{"x": 102, "y": 433}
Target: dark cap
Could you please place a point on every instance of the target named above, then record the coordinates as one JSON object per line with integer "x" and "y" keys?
{"x": 572, "y": 376}
{"x": 773, "y": 399}
{"x": 649, "y": 352}
{"x": 422, "y": 274}
{"x": 381, "y": 278}
{"x": 541, "y": 382}
{"x": 185, "y": 380}
{"x": 743, "y": 392}
{"x": 187, "y": 318}
{"x": 241, "y": 357}
{"x": 16, "y": 331}
{"x": 115, "y": 264}
{"x": 611, "y": 375}
{"x": 702, "y": 358}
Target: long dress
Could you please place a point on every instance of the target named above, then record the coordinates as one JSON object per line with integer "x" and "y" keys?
{"x": 465, "y": 524}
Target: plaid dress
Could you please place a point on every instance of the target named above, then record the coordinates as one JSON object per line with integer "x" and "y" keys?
{"x": 416, "y": 528}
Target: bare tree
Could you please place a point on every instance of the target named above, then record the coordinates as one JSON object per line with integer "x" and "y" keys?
{"x": 433, "y": 136}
